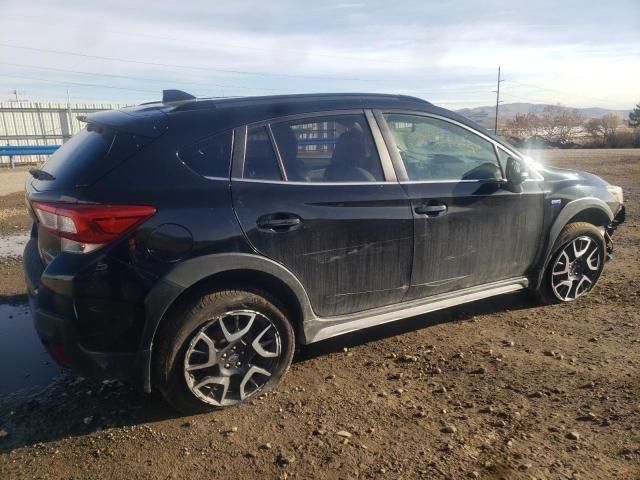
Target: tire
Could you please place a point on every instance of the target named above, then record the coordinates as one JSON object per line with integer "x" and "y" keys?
{"x": 204, "y": 361}
{"x": 573, "y": 238}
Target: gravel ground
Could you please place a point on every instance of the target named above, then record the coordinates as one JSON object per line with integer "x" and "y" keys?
{"x": 501, "y": 388}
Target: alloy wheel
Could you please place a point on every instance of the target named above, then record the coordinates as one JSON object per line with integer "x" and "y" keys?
{"x": 232, "y": 357}
{"x": 576, "y": 269}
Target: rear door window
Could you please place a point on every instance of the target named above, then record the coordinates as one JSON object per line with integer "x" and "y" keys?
{"x": 328, "y": 148}
{"x": 211, "y": 157}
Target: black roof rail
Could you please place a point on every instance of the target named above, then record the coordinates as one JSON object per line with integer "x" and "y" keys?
{"x": 216, "y": 102}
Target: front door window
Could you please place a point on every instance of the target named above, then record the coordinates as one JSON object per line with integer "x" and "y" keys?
{"x": 436, "y": 150}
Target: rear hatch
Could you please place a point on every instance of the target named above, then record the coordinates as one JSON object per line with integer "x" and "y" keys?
{"x": 78, "y": 162}
{"x": 110, "y": 138}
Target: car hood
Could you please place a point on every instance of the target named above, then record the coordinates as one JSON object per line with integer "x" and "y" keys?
{"x": 564, "y": 174}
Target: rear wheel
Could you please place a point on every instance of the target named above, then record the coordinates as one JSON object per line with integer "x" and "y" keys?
{"x": 576, "y": 264}
{"x": 222, "y": 350}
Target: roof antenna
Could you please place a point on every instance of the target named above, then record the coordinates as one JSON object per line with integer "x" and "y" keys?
{"x": 175, "y": 96}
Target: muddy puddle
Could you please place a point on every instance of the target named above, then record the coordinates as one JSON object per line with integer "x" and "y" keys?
{"x": 24, "y": 363}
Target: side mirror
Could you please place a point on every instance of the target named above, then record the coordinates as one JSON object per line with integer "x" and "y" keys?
{"x": 516, "y": 172}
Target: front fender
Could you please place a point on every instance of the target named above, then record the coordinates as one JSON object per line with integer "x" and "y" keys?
{"x": 569, "y": 211}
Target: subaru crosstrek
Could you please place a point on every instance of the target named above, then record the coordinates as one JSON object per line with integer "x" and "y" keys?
{"x": 189, "y": 245}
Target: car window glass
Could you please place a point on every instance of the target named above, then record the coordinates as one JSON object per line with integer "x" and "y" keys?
{"x": 260, "y": 162}
{"x": 434, "y": 149}
{"x": 329, "y": 148}
{"x": 503, "y": 157}
{"x": 211, "y": 157}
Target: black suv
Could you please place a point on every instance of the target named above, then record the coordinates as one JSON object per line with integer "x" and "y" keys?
{"x": 189, "y": 245}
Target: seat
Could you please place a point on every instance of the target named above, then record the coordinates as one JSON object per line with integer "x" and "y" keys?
{"x": 349, "y": 160}
{"x": 260, "y": 161}
{"x": 288, "y": 147}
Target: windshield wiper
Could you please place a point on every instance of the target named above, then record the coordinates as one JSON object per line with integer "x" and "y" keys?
{"x": 39, "y": 174}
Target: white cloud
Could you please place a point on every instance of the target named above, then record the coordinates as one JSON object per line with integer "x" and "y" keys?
{"x": 447, "y": 53}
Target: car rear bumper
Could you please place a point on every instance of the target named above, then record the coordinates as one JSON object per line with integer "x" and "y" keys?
{"x": 59, "y": 335}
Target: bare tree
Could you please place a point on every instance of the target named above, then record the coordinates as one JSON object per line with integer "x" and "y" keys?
{"x": 593, "y": 127}
{"x": 547, "y": 123}
{"x": 610, "y": 123}
{"x": 604, "y": 128}
{"x": 560, "y": 125}
{"x": 516, "y": 127}
{"x": 523, "y": 126}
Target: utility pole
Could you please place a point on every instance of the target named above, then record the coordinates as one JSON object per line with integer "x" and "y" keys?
{"x": 495, "y": 130}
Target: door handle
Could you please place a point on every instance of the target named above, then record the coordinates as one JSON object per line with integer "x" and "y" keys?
{"x": 279, "y": 222}
{"x": 431, "y": 210}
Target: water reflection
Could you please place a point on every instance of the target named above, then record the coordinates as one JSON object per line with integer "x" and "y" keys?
{"x": 24, "y": 363}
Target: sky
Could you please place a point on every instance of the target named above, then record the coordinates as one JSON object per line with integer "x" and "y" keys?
{"x": 576, "y": 53}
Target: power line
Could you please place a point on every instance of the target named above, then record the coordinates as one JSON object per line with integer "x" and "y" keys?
{"x": 517, "y": 98}
{"x": 146, "y": 79}
{"x": 171, "y": 65}
{"x": 557, "y": 91}
{"x": 79, "y": 97}
{"x": 443, "y": 90}
{"x": 79, "y": 83}
{"x": 93, "y": 85}
{"x": 228, "y": 45}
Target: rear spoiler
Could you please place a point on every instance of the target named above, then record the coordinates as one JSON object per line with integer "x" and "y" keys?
{"x": 146, "y": 121}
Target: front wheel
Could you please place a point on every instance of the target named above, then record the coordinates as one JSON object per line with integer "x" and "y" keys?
{"x": 221, "y": 350}
{"x": 576, "y": 263}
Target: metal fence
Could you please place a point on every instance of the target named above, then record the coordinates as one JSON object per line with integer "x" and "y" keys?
{"x": 38, "y": 124}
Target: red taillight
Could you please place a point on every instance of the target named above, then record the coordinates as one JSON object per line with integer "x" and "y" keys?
{"x": 90, "y": 224}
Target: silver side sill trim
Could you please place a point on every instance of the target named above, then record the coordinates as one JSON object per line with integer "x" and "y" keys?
{"x": 322, "y": 328}
{"x": 316, "y": 184}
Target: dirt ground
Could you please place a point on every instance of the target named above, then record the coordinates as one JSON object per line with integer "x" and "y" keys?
{"x": 12, "y": 179}
{"x": 500, "y": 388}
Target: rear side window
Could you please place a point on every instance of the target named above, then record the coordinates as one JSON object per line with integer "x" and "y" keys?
{"x": 211, "y": 157}
{"x": 260, "y": 161}
{"x": 328, "y": 148}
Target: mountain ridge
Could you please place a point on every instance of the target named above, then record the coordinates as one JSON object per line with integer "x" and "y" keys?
{"x": 485, "y": 115}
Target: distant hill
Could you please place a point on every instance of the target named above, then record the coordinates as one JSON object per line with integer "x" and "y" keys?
{"x": 485, "y": 116}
